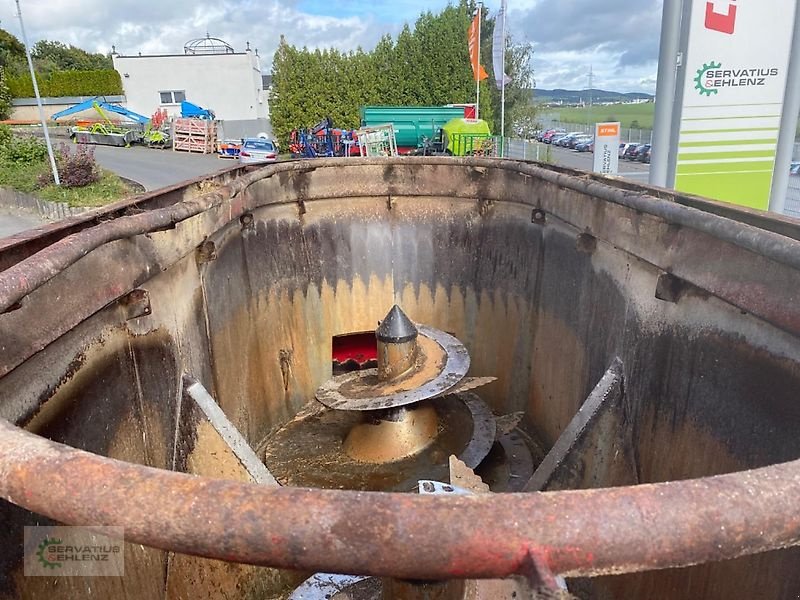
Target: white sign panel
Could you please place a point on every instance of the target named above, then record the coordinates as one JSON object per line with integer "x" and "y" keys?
{"x": 606, "y": 148}
{"x": 736, "y": 71}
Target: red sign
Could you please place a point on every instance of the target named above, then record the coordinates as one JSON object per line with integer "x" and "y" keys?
{"x": 722, "y": 22}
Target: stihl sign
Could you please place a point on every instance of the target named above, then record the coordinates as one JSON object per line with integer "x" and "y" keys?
{"x": 718, "y": 21}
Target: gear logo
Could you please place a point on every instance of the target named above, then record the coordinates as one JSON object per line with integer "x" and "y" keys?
{"x": 44, "y": 556}
{"x": 701, "y": 73}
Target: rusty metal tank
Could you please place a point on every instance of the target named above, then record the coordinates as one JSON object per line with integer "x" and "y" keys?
{"x": 647, "y": 342}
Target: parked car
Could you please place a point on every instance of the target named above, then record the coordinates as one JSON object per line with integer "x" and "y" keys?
{"x": 587, "y": 146}
{"x": 632, "y": 152}
{"x": 568, "y": 139}
{"x": 644, "y": 154}
{"x": 794, "y": 168}
{"x": 258, "y": 150}
{"x": 623, "y": 148}
{"x": 580, "y": 139}
{"x": 548, "y": 137}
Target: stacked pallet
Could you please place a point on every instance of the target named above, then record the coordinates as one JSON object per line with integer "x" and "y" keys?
{"x": 194, "y": 135}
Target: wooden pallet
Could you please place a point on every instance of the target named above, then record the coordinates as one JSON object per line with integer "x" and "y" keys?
{"x": 194, "y": 135}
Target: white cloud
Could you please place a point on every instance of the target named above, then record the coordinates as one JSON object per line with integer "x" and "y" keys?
{"x": 163, "y": 27}
{"x": 618, "y": 38}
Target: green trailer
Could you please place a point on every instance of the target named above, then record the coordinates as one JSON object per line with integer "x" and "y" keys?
{"x": 411, "y": 123}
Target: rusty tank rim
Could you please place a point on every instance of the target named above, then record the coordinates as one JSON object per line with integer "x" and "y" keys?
{"x": 769, "y": 236}
{"x": 575, "y": 533}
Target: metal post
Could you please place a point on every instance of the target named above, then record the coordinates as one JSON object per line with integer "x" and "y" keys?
{"x": 680, "y": 88}
{"x": 786, "y": 137}
{"x": 478, "y": 76}
{"x": 665, "y": 91}
{"x": 53, "y": 166}
{"x": 591, "y": 100}
{"x": 503, "y": 91}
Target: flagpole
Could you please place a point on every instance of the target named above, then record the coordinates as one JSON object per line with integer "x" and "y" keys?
{"x": 478, "y": 84}
{"x": 503, "y": 90}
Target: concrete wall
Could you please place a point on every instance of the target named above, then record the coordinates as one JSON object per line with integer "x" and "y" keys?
{"x": 236, "y": 130}
{"x": 53, "y": 211}
{"x": 228, "y": 84}
{"x": 25, "y": 109}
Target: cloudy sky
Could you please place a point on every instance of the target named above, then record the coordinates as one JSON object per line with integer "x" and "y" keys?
{"x": 620, "y": 41}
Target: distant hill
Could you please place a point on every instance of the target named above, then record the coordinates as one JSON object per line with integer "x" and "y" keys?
{"x": 577, "y": 96}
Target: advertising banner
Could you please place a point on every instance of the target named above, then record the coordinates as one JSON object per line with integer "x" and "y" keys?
{"x": 474, "y": 41}
{"x": 606, "y": 148}
{"x": 736, "y": 72}
{"x": 499, "y": 48}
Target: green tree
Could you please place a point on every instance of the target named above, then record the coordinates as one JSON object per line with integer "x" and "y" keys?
{"x": 5, "y": 96}
{"x": 519, "y": 92}
{"x": 387, "y": 88}
{"x": 524, "y": 120}
{"x": 426, "y": 65}
{"x": 55, "y": 56}
{"x": 12, "y": 53}
{"x": 286, "y": 108}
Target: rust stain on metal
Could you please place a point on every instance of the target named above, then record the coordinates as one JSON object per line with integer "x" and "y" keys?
{"x": 588, "y": 532}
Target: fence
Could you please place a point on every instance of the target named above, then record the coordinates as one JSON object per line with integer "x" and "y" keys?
{"x": 627, "y": 134}
{"x": 519, "y": 149}
{"x": 793, "y": 196}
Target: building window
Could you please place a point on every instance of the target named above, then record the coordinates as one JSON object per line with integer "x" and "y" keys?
{"x": 172, "y": 97}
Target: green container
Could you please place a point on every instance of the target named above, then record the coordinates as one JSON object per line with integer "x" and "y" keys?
{"x": 411, "y": 123}
{"x": 464, "y": 137}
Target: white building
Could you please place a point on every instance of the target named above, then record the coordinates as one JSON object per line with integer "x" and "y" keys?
{"x": 209, "y": 73}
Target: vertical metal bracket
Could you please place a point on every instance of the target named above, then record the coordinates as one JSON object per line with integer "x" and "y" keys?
{"x": 198, "y": 397}
{"x": 593, "y": 437}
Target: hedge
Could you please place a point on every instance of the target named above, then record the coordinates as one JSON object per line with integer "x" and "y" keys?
{"x": 68, "y": 83}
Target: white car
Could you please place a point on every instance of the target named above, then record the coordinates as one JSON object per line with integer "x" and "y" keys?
{"x": 258, "y": 150}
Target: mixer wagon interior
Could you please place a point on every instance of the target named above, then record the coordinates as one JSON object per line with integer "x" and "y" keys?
{"x": 407, "y": 378}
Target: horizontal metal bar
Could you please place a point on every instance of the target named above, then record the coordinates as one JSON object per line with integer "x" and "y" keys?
{"x": 574, "y": 533}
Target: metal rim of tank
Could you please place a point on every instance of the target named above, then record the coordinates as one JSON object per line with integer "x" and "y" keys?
{"x": 574, "y": 533}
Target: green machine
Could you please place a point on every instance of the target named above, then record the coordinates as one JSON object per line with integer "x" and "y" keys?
{"x": 412, "y": 124}
{"x": 468, "y": 137}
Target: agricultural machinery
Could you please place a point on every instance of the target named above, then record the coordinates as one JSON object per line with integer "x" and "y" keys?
{"x": 322, "y": 140}
{"x": 144, "y": 130}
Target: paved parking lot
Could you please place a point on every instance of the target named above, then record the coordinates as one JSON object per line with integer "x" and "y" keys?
{"x": 583, "y": 160}
{"x": 12, "y": 222}
{"x": 155, "y": 169}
